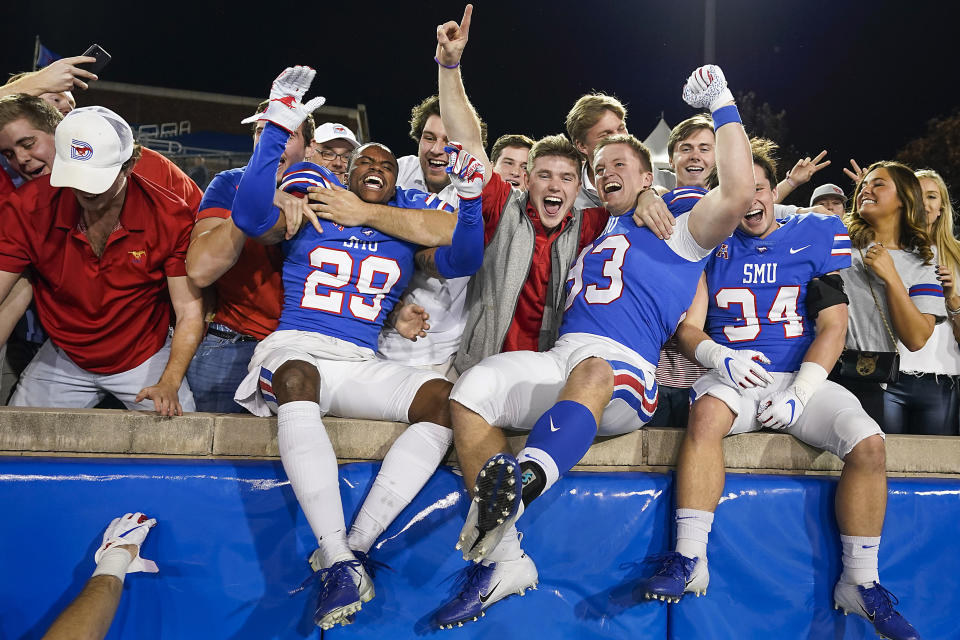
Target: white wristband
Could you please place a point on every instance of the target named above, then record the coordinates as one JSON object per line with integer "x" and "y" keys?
{"x": 709, "y": 354}
{"x": 725, "y": 96}
{"x": 808, "y": 379}
{"x": 114, "y": 562}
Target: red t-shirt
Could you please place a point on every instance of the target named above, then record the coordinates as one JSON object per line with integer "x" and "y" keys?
{"x": 524, "y": 331}
{"x": 250, "y": 293}
{"x": 159, "y": 169}
{"x": 109, "y": 314}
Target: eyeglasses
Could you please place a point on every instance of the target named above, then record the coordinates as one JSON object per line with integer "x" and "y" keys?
{"x": 330, "y": 156}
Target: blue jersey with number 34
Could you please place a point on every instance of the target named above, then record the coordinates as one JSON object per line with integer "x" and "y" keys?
{"x": 758, "y": 287}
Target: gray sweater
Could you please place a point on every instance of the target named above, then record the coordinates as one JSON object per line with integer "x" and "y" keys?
{"x": 494, "y": 290}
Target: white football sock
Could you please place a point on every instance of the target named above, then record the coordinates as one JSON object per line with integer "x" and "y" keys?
{"x": 693, "y": 530}
{"x": 409, "y": 463}
{"x": 311, "y": 466}
{"x": 860, "y": 559}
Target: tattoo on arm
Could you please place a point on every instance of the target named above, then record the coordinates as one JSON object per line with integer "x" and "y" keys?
{"x": 426, "y": 262}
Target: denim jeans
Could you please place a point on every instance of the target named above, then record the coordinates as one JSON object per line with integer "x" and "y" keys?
{"x": 925, "y": 405}
{"x": 673, "y": 407}
{"x": 217, "y": 369}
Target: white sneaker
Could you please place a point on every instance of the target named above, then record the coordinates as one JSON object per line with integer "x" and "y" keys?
{"x": 484, "y": 583}
{"x": 874, "y": 603}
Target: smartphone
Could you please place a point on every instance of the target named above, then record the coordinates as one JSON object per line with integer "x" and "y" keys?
{"x": 98, "y": 52}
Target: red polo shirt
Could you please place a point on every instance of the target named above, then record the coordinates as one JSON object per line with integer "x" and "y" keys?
{"x": 250, "y": 293}
{"x": 524, "y": 331}
{"x": 109, "y": 314}
{"x": 157, "y": 168}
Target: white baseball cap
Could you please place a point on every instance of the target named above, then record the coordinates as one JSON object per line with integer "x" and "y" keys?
{"x": 251, "y": 119}
{"x": 827, "y": 190}
{"x": 332, "y": 131}
{"x": 92, "y": 144}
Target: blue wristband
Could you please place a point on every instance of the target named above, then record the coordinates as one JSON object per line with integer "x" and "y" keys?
{"x": 726, "y": 115}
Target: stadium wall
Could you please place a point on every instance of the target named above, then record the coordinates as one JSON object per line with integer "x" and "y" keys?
{"x": 232, "y": 542}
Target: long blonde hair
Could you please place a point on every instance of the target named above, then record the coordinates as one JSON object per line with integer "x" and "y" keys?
{"x": 913, "y": 220}
{"x": 948, "y": 249}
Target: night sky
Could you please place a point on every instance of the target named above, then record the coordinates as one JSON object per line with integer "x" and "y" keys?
{"x": 859, "y": 79}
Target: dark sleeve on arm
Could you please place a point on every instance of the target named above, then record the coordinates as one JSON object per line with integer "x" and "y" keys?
{"x": 465, "y": 254}
{"x": 253, "y": 210}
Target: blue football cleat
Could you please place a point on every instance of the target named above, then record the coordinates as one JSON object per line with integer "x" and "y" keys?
{"x": 676, "y": 576}
{"x": 482, "y": 584}
{"x": 494, "y": 509}
{"x": 346, "y": 586}
{"x": 876, "y": 605}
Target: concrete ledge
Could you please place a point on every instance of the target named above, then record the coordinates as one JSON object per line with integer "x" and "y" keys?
{"x": 201, "y": 435}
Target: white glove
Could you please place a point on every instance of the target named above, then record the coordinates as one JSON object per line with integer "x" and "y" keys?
{"x": 739, "y": 369}
{"x": 781, "y": 409}
{"x": 706, "y": 87}
{"x": 132, "y": 529}
{"x": 285, "y": 109}
{"x": 466, "y": 172}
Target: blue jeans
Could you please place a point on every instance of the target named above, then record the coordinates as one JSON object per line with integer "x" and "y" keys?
{"x": 673, "y": 407}
{"x": 217, "y": 369}
{"x": 925, "y": 405}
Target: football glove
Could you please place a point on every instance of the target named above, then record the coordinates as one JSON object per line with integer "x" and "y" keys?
{"x": 739, "y": 369}
{"x": 706, "y": 87}
{"x": 466, "y": 172}
{"x": 132, "y": 528}
{"x": 285, "y": 108}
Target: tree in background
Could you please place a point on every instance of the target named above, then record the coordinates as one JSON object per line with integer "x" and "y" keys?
{"x": 761, "y": 120}
{"x": 939, "y": 149}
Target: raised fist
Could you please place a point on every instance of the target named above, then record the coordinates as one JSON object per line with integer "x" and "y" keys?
{"x": 707, "y": 88}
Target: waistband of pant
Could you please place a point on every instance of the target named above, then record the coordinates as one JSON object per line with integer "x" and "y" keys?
{"x": 225, "y": 332}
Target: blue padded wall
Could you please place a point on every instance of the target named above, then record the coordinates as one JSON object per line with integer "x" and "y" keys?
{"x": 232, "y": 541}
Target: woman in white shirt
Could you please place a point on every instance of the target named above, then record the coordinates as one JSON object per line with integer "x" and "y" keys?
{"x": 895, "y": 296}
{"x": 925, "y": 399}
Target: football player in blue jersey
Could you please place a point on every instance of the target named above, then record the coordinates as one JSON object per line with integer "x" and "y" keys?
{"x": 599, "y": 375}
{"x": 769, "y": 321}
{"x": 340, "y": 283}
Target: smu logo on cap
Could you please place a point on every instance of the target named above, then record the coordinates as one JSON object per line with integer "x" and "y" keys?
{"x": 80, "y": 150}
{"x": 339, "y": 129}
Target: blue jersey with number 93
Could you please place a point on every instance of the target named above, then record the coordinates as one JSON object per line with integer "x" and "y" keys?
{"x": 631, "y": 286}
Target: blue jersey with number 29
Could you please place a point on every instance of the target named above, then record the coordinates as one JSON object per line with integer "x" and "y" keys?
{"x": 345, "y": 281}
{"x": 758, "y": 287}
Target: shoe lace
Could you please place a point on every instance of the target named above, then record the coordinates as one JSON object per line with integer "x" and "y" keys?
{"x": 334, "y": 575}
{"x": 468, "y": 580}
{"x": 370, "y": 565}
{"x": 673, "y": 565}
{"x": 880, "y": 601}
